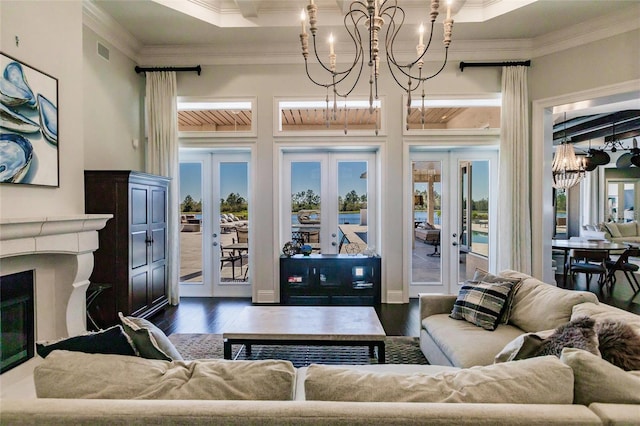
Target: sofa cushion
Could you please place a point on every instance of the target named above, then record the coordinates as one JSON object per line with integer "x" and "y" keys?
{"x": 465, "y": 344}
{"x": 628, "y": 229}
{"x": 540, "y": 306}
{"x": 544, "y": 380}
{"x": 601, "y": 311}
{"x": 429, "y": 370}
{"x": 66, "y": 374}
{"x": 597, "y": 380}
{"x": 149, "y": 340}
{"x": 481, "y": 303}
{"x": 112, "y": 340}
{"x": 613, "y": 229}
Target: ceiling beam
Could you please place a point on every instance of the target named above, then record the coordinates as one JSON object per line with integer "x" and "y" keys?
{"x": 248, "y": 8}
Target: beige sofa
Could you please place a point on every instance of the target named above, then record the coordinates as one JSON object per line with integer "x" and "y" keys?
{"x": 536, "y": 306}
{"x": 94, "y": 389}
{"x": 577, "y": 388}
{"x": 621, "y": 232}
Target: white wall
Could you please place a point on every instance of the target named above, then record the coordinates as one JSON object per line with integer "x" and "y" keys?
{"x": 50, "y": 34}
{"x": 112, "y": 108}
{"x": 268, "y": 81}
{"x": 606, "y": 67}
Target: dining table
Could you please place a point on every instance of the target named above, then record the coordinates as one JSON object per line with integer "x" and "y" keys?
{"x": 597, "y": 245}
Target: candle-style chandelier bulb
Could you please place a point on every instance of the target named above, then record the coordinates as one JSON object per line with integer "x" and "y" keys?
{"x": 374, "y": 16}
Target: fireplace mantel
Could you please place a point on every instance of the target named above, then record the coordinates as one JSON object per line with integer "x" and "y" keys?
{"x": 74, "y": 236}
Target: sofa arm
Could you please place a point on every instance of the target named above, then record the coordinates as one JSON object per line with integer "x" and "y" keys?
{"x": 432, "y": 304}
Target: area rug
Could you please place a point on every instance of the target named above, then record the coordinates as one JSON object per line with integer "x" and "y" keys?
{"x": 398, "y": 349}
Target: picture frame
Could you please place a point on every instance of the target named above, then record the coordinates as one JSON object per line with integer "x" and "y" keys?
{"x": 29, "y": 143}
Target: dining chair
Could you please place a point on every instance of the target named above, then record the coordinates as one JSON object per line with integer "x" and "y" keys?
{"x": 590, "y": 263}
{"x": 627, "y": 268}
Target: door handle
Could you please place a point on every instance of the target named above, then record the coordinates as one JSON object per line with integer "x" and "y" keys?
{"x": 333, "y": 243}
{"x": 215, "y": 243}
{"x": 454, "y": 244}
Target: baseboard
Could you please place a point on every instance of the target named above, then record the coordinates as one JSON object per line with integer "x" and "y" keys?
{"x": 395, "y": 296}
{"x": 265, "y": 296}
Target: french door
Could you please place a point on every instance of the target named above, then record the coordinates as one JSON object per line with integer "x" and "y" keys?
{"x": 451, "y": 218}
{"x": 215, "y": 230}
{"x": 329, "y": 201}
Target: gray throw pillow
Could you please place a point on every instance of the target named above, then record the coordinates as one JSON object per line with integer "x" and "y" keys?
{"x": 149, "y": 340}
{"x": 578, "y": 334}
{"x": 619, "y": 344}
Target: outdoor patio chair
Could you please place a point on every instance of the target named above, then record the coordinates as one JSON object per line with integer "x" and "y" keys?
{"x": 230, "y": 256}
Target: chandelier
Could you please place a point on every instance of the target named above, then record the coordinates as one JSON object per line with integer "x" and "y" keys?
{"x": 372, "y": 15}
{"x": 567, "y": 169}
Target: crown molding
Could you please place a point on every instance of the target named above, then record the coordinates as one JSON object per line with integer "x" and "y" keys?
{"x": 613, "y": 24}
{"x": 106, "y": 27}
{"x": 289, "y": 52}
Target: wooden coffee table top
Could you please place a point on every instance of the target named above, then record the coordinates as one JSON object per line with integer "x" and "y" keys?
{"x": 327, "y": 323}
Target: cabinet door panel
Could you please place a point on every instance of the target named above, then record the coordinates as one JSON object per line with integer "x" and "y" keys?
{"x": 158, "y": 246}
{"x": 159, "y": 283}
{"x": 158, "y": 205}
{"x": 139, "y": 292}
{"x": 138, "y": 206}
{"x": 138, "y": 249}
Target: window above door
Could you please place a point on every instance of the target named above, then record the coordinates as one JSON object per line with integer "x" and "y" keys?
{"x": 200, "y": 117}
{"x": 320, "y": 117}
{"x": 461, "y": 115}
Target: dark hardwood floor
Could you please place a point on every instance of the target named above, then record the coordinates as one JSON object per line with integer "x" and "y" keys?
{"x": 210, "y": 314}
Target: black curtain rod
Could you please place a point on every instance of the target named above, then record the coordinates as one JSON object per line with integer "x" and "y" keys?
{"x": 464, "y": 65}
{"x": 197, "y": 69}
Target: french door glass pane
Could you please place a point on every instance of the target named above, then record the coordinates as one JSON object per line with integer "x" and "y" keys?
{"x": 352, "y": 206}
{"x": 474, "y": 217}
{"x": 306, "y": 181}
{"x": 427, "y": 193}
{"x": 234, "y": 226}
{"x": 191, "y": 222}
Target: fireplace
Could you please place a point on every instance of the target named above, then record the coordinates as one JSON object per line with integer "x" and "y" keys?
{"x": 17, "y": 319}
{"x": 57, "y": 252}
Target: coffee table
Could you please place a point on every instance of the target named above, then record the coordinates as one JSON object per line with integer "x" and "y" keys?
{"x": 306, "y": 325}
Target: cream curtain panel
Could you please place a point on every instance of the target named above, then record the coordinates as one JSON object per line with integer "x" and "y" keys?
{"x": 514, "y": 180}
{"x": 162, "y": 159}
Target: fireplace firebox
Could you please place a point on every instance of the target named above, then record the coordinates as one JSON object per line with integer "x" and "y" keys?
{"x": 17, "y": 319}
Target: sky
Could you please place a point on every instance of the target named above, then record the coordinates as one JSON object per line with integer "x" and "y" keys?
{"x": 234, "y": 179}
{"x": 306, "y": 175}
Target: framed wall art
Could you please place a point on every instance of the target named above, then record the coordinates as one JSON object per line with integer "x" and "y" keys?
{"x": 29, "y": 151}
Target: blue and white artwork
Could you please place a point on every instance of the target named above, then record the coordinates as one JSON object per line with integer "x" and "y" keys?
{"x": 28, "y": 125}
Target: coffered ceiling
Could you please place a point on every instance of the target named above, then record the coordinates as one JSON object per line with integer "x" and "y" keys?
{"x": 209, "y": 32}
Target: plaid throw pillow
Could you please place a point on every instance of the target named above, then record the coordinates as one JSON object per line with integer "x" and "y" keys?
{"x": 484, "y": 276}
{"x": 481, "y": 303}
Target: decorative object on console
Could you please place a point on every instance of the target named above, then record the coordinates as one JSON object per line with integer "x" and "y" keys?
{"x": 372, "y": 14}
{"x": 306, "y": 249}
{"x": 352, "y": 249}
{"x": 290, "y": 248}
{"x": 29, "y": 121}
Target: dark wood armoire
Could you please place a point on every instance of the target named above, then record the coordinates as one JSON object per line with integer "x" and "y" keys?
{"x": 132, "y": 255}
